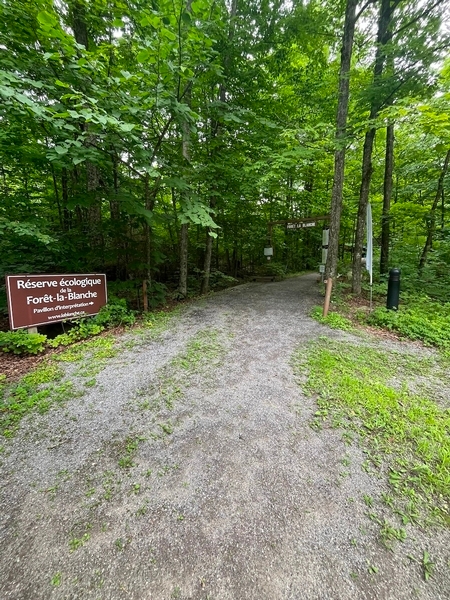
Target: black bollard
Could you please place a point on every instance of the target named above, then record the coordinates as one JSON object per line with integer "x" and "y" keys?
{"x": 393, "y": 293}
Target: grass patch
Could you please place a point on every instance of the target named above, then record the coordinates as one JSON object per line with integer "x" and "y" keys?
{"x": 333, "y": 319}
{"x": 36, "y": 391}
{"x": 128, "y": 452}
{"x": 96, "y": 349}
{"x": 75, "y": 543}
{"x": 155, "y": 323}
{"x": 366, "y": 391}
{"x": 56, "y": 579}
{"x": 204, "y": 350}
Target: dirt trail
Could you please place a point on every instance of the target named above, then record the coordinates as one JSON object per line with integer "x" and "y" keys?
{"x": 189, "y": 470}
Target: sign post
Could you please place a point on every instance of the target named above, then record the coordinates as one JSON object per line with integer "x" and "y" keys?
{"x": 42, "y": 299}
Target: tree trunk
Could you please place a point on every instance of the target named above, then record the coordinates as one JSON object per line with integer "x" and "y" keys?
{"x": 65, "y": 199}
{"x": 362, "y": 208}
{"x": 216, "y": 133}
{"x": 114, "y": 206}
{"x": 80, "y": 31}
{"x": 383, "y": 37}
{"x": 58, "y": 203}
{"x": 94, "y": 212}
{"x": 208, "y": 254}
{"x": 148, "y": 247}
{"x": 341, "y": 130}
{"x": 184, "y": 239}
{"x": 432, "y": 226}
{"x": 387, "y": 195}
{"x": 184, "y": 232}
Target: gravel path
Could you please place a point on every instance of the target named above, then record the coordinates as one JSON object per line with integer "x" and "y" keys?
{"x": 189, "y": 470}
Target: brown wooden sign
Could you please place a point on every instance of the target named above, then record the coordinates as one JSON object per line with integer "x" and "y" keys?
{"x": 303, "y": 225}
{"x": 43, "y": 299}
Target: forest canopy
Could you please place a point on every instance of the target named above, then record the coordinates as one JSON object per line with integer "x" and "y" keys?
{"x": 154, "y": 140}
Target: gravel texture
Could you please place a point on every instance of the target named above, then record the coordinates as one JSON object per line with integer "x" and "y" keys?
{"x": 190, "y": 471}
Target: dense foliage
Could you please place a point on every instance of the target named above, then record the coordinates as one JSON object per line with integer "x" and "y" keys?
{"x": 156, "y": 140}
{"x": 420, "y": 319}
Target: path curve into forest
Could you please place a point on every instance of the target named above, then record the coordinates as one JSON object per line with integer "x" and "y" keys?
{"x": 188, "y": 470}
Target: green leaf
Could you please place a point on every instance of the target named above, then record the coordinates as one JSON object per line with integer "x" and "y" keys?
{"x": 142, "y": 56}
{"x": 168, "y": 34}
{"x": 140, "y": 210}
{"x": 46, "y": 18}
{"x": 152, "y": 20}
{"x": 50, "y": 55}
{"x": 126, "y": 127}
{"x": 186, "y": 18}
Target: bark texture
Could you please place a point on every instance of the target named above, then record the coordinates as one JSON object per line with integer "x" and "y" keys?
{"x": 387, "y": 196}
{"x": 341, "y": 130}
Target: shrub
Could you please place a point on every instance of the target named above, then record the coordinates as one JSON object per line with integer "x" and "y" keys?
{"x": 217, "y": 279}
{"x": 156, "y": 294}
{"x": 115, "y": 313}
{"x": 82, "y": 330}
{"x": 275, "y": 268}
{"x": 22, "y": 342}
{"x": 422, "y": 319}
{"x": 333, "y": 320}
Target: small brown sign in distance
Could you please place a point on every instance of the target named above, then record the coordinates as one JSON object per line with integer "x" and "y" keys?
{"x": 43, "y": 299}
{"x": 303, "y": 225}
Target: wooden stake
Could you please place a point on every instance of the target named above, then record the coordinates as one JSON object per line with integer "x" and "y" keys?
{"x": 326, "y": 305}
{"x": 144, "y": 296}
{"x": 32, "y": 330}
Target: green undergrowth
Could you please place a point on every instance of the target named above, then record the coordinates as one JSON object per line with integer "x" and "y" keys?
{"x": 370, "y": 393}
{"x": 333, "y": 319}
{"x": 112, "y": 315}
{"x": 44, "y": 387}
{"x": 420, "y": 319}
{"x": 22, "y": 342}
{"x": 36, "y": 391}
{"x": 92, "y": 350}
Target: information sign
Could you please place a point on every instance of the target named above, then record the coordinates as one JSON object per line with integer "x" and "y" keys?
{"x": 43, "y": 299}
{"x": 301, "y": 225}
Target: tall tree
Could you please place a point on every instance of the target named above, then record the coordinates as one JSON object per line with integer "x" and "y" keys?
{"x": 408, "y": 37}
{"x": 341, "y": 135}
{"x": 432, "y": 215}
{"x": 387, "y": 195}
{"x": 384, "y": 35}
